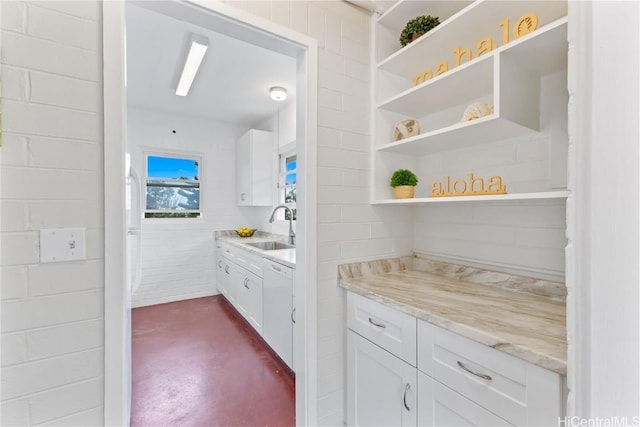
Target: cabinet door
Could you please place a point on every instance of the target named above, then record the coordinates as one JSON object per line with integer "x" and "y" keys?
{"x": 262, "y": 168}
{"x": 278, "y": 316}
{"x": 381, "y": 388}
{"x": 230, "y": 283}
{"x": 251, "y": 300}
{"x": 220, "y": 275}
{"x": 439, "y": 406}
{"x": 243, "y": 170}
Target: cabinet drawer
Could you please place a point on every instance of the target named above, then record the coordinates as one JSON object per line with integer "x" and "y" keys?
{"x": 226, "y": 251}
{"x": 438, "y": 405}
{"x": 247, "y": 260}
{"x": 389, "y": 328}
{"x": 519, "y": 392}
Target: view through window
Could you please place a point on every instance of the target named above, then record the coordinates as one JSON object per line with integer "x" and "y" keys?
{"x": 290, "y": 165}
{"x": 173, "y": 187}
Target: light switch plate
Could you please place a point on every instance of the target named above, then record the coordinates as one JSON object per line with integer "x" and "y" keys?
{"x": 62, "y": 244}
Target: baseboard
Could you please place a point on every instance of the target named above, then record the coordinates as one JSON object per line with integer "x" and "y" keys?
{"x": 144, "y": 302}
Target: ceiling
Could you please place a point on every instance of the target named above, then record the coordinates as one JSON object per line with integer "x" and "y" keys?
{"x": 232, "y": 84}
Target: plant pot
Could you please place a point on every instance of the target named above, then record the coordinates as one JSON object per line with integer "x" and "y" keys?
{"x": 404, "y": 191}
{"x": 416, "y": 36}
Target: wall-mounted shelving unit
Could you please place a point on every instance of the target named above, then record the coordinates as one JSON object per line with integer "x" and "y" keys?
{"x": 518, "y": 78}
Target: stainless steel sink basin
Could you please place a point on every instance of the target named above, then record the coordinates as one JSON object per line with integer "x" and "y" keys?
{"x": 271, "y": 246}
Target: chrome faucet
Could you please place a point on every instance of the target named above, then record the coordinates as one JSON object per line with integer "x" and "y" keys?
{"x": 292, "y": 235}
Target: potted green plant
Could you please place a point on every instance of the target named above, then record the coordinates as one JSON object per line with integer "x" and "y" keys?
{"x": 403, "y": 182}
{"x": 417, "y": 27}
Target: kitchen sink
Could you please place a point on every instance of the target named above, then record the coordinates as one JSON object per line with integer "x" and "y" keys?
{"x": 271, "y": 246}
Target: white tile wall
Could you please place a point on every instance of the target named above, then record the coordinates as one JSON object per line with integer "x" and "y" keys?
{"x": 526, "y": 239}
{"x": 51, "y": 176}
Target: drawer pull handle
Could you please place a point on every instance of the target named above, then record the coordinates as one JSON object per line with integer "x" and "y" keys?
{"x": 379, "y": 325}
{"x": 293, "y": 312}
{"x": 477, "y": 374}
{"x": 404, "y": 398}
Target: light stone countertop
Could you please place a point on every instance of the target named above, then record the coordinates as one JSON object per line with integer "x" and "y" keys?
{"x": 527, "y": 326}
{"x": 285, "y": 257}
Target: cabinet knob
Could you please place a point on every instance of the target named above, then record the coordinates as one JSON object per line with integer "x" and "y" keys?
{"x": 404, "y": 398}
{"x": 242, "y": 196}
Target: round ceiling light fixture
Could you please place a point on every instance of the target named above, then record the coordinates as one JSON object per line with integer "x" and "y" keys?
{"x": 278, "y": 93}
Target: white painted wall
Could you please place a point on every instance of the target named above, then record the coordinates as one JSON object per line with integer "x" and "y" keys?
{"x": 177, "y": 254}
{"x": 51, "y": 176}
{"x": 603, "y": 211}
{"x": 349, "y": 227}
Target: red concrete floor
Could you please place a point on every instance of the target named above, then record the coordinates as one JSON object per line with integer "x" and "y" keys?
{"x": 197, "y": 363}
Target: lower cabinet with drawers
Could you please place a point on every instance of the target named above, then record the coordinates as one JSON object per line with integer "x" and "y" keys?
{"x": 403, "y": 371}
{"x": 239, "y": 279}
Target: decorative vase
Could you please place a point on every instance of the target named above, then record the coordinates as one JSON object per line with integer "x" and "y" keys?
{"x": 404, "y": 191}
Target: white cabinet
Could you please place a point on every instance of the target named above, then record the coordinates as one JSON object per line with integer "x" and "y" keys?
{"x": 238, "y": 282}
{"x": 249, "y": 297}
{"x": 254, "y": 167}
{"x": 439, "y": 406}
{"x": 381, "y": 388}
{"x": 459, "y": 382}
{"x": 390, "y": 329}
{"x": 278, "y": 309}
{"x": 518, "y": 74}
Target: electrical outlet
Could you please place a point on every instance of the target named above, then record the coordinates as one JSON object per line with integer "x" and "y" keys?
{"x": 62, "y": 244}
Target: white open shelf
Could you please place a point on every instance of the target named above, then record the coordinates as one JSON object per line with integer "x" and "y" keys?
{"x": 562, "y": 194}
{"x": 524, "y": 79}
{"x": 468, "y": 81}
{"x": 391, "y": 24}
{"x": 459, "y": 135}
{"x": 465, "y": 28}
{"x": 405, "y": 10}
{"x": 515, "y": 94}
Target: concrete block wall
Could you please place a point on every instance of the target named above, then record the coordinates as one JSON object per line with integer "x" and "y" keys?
{"x": 51, "y": 176}
{"x": 349, "y": 228}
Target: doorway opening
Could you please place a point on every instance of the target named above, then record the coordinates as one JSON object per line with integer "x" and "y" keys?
{"x": 242, "y": 27}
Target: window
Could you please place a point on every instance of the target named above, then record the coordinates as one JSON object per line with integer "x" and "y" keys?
{"x": 173, "y": 187}
{"x": 288, "y": 167}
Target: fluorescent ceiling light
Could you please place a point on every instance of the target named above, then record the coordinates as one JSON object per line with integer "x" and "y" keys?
{"x": 197, "y": 48}
{"x": 278, "y": 93}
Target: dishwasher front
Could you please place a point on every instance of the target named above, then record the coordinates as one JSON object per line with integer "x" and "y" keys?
{"x": 278, "y": 311}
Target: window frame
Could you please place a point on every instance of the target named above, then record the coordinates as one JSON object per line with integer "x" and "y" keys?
{"x": 184, "y": 155}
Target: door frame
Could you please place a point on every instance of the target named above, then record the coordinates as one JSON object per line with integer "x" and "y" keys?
{"x": 117, "y": 305}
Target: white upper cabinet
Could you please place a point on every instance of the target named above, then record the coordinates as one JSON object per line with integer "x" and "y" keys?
{"x": 488, "y": 52}
{"x": 254, "y": 163}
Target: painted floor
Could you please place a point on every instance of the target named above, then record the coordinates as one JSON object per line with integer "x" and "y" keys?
{"x": 197, "y": 363}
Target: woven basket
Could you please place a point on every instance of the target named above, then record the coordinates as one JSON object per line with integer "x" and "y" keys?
{"x": 404, "y": 191}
